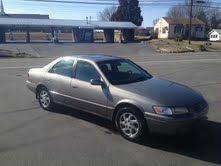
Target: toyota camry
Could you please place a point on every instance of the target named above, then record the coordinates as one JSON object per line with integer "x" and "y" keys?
{"x": 119, "y": 90}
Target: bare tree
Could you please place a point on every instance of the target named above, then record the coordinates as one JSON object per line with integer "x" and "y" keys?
{"x": 201, "y": 10}
{"x": 182, "y": 10}
{"x": 179, "y": 11}
{"x": 107, "y": 13}
{"x": 215, "y": 19}
{"x": 155, "y": 21}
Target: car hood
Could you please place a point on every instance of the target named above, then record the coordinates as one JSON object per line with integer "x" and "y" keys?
{"x": 164, "y": 92}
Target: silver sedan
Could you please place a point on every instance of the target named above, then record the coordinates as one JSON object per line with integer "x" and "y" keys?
{"x": 119, "y": 90}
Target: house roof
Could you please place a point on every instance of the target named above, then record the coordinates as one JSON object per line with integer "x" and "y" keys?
{"x": 6, "y": 15}
{"x": 217, "y": 30}
{"x": 183, "y": 21}
{"x": 34, "y": 16}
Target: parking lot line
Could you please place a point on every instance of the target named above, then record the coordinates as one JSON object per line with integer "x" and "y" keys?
{"x": 18, "y": 67}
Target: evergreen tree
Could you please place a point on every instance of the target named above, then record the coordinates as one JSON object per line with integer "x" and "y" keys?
{"x": 128, "y": 10}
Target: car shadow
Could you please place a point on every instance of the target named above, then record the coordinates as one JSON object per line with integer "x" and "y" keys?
{"x": 91, "y": 118}
{"x": 202, "y": 143}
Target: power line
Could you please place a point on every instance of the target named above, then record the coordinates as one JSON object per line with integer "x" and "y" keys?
{"x": 114, "y": 2}
{"x": 143, "y": 3}
{"x": 76, "y": 2}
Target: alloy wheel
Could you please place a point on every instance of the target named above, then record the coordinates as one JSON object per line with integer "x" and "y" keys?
{"x": 129, "y": 124}
{"x": 44, "y": 98}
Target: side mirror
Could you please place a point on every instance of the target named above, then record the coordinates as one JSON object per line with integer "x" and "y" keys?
{"x": 97, "y": 82}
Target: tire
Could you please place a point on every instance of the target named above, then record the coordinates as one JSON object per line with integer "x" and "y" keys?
{"x": 131, "y": 123}
{"x": 44, "y": 98}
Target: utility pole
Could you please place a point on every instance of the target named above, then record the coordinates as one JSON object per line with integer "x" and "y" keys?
{"x": 87, "y": 20}
{"x": 191, "y": 15}
{"x": 2, "y": 12}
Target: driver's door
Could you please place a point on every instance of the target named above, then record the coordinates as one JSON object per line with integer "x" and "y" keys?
{"x": 91, "y": 98}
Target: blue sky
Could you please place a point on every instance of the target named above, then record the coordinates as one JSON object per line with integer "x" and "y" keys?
{"x": 74, "y": 11}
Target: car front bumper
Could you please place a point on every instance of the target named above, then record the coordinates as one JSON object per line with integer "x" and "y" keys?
{"x": 176, "y": 124}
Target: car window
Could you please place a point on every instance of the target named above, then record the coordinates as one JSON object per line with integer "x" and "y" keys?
{"x": 63, "y": 67}
{"x": 86, "y": 71}
{"x": 126, "y": 67}
{"x": 122, "y": 71}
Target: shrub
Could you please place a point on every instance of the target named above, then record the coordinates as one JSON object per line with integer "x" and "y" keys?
{"x": 178, "y": 37}
{"x": 153, "y": 35}
{"x": 202, "y": 47}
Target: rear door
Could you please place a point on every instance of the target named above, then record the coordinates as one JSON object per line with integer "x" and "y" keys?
{"x": 58, "y": 80}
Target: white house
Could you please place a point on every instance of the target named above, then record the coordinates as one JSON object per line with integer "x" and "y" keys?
{"x": 215, "y": 35}
{"x": 168, "y": 28}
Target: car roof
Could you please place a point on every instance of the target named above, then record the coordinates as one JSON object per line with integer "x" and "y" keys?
{"x": 95, "y": 58}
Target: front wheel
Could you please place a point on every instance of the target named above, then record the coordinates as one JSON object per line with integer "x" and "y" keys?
{"x": 45, "y": 99}
{"x": 131, "y": 123}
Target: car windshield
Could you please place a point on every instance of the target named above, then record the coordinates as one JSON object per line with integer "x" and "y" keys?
{"x": 122, "y": 71}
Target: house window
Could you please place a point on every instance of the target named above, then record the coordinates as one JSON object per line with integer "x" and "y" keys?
{"x": 165, "y": 29}
{"x": 199, "y": 29}
{"x": 178, "y": 29}
{"x": 214, "y": 36}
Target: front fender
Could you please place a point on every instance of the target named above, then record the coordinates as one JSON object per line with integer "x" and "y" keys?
{"x": 130, "y": 102}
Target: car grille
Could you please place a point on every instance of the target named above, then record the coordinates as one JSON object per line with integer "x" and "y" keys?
{"x": 198, "y": 107}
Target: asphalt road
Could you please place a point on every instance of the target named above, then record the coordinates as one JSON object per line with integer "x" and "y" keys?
{"x": 32, "y": 136}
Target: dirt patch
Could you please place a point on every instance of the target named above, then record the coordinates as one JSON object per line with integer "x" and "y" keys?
{"x": 12, "y": 54}
{"x": 172, "y": 46}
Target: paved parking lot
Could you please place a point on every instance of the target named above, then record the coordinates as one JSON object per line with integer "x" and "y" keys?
{"x": 32, "y": 136}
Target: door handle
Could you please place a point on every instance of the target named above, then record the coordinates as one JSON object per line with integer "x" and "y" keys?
{"x": 73, "y": 86}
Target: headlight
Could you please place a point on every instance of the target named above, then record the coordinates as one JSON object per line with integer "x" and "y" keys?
{"x": 170, "y": 110}
{"x": 163, "y": 110}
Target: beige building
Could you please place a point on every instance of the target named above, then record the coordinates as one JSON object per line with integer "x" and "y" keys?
{"x": 168, "y": 28}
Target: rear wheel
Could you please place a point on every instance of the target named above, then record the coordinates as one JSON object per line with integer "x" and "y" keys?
{"x": 44, "y": 98}
{"x": 131, "y": 123}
